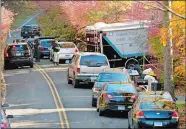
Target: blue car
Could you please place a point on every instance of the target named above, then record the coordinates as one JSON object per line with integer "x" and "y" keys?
{"x": 45, "y": 46}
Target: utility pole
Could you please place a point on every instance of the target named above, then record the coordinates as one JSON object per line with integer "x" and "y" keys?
{"x": 168, "y": 63}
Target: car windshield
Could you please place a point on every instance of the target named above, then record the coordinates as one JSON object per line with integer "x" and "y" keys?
{"x": 93, "y": 61}
{"x": 47, "y": 43}
{"x": 67, "y": 45}
{"x": 156, "y": 105}
{"x": 112, "y": 77}
{"x": 120, "y": 88}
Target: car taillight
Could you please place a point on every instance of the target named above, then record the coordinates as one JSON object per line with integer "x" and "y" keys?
{"x": 140, "y": 114}
{"x": 78, "y": 70}
{"x": 175, "y": 115}
{"x": 4, "y": 125}
{"x": 41, "y": 48}
{"x": 76, "y": 50}
{"x": 107, "y": 96}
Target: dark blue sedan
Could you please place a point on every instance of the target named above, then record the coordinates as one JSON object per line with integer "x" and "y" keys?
{"x": 45, "y": 46}
{"x": 153, "y": 113}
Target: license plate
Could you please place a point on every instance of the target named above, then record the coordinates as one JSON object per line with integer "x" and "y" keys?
{"x": 18, "y": 54}
{"x": 93, "y": 79}
{"x": 121, "y": 107}
{"x": 67, "y": 61}
{"x": 67, "y": 55}
{"x": 159, "y": 124}
{"x": 26, "y": 32}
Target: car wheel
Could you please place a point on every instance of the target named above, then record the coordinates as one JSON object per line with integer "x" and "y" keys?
{"x": 6, "y": 66}
{"x": 101, "y": 113}
{"x": 93, "y": 103}
{"x": 75, "y": 83}
{"x": 31, "y": 65}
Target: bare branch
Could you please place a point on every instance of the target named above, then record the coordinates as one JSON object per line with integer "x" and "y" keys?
{"x": 171, "y": 10}
{"x": 152, "y": 6}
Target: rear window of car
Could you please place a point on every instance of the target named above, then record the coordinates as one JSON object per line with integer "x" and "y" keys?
{"x": 27, "y": 28}
{"x": 18, "y": 48}
{"x": 121, "y": 88}
{"x": 112, "y": 77}
{"x": 93, "y": 61}
{"x": 156, "y": 105}
{"x": 67, "y": 45}
{"x": 47, "y": 43}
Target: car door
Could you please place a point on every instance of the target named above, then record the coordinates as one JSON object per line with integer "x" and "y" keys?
{"x": 71, "y": 67}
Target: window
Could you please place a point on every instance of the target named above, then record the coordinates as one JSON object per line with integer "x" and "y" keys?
{"x": 156, "y": 105}
{"x": 47, "y": 43}
{"x": 93, "y": 61}
{"x": 67, "y": 45}
{"x": 12, "y": 50}
{"x": 121, "y": 88}
{"x": 113, "y": 77}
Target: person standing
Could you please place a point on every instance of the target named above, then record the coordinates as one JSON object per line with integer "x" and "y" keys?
{"x": 56, "y": 49}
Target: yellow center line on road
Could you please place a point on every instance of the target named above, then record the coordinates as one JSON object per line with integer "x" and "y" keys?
{"x": 54, "y": 97}
{"x": 59, "y": 99}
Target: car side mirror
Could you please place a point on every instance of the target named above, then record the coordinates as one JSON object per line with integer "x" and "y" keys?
{"x": 9, "y": 116}
{"x": 5, "y": 105}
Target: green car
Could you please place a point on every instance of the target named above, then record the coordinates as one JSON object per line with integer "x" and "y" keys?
{"x": 116, "y": 97}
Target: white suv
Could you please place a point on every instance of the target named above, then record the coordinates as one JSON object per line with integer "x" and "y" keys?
{"x": 85, "y": 67}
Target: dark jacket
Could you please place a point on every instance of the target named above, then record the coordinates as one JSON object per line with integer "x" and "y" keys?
{"x": 55, "y": 47}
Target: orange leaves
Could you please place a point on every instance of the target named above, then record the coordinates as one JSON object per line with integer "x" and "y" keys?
{"x": 164, "y": 33}
{"x": 180, "y": 70}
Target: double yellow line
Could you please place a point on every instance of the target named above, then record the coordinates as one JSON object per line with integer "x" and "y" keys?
{"x": 56, "y": 97}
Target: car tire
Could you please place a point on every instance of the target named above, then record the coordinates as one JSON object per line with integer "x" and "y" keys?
{"x": 6, "y": 66}
{"x": 93, "y": 103}
{"x": 75, "y": 83}
{"x": 101, "y": 113}
{"x": 31, "y": 65}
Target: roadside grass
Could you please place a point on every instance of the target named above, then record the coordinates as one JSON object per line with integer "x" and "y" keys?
{"x": 181, "y": 110}
{"x": 23, "y": 15}
{"x": 180, "y": 105}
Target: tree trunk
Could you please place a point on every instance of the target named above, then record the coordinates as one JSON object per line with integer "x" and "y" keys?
{"x": 168, "y": 82}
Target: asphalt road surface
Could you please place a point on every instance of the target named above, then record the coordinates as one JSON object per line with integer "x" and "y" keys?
{"x": 40, "y": 97}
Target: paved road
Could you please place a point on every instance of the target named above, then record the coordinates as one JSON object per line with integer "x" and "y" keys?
{"x": 34, "y": 100}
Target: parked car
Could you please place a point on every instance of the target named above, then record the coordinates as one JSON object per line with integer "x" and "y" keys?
{"x": 45, "y": 44}
{"x": 153, "y": 113}
{"x": 109, "y": 75}
{"x": 30, "y": 31}
{"x": 67, "y": 51}
{"x": 85, "y": 67}
{"x": 116, "y": 97}
{"x": 5, "y": 123}
{"x": 18, "y": 54}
